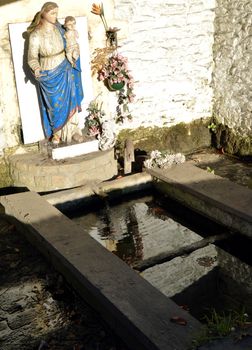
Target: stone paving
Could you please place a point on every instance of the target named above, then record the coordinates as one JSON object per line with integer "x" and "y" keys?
{"x": 37, "y": 308}
{"x": 229, "y": 167}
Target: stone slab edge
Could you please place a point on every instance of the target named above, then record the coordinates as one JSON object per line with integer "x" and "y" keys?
{"x": 137, "y": 312}
{"x": 74, "y": 197}
{"x": 220, "y": 199}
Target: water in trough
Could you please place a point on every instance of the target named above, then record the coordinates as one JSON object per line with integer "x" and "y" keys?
{"x": 137, "y": 229}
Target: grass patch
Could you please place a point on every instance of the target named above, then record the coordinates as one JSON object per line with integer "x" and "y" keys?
{"x": 219, "y": 325}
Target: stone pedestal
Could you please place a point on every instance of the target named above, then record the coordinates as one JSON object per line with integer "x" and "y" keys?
{"x": 40, "y": 173}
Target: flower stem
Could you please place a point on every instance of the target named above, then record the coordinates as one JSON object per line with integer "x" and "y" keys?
{"x": 104, "y": 22}
{"x": 102, "y": 15}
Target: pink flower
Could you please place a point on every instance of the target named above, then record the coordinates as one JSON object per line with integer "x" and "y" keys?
{"x": 93, "y": 130}
{"x": 116, "y": 71}
{"x": 131, "y": 98}
{"x": 101, "y": 77}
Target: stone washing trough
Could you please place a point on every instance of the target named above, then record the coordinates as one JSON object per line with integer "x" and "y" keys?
{"x": 139, "y": 313}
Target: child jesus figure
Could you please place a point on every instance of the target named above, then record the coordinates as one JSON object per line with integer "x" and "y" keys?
{"x": 71, "y": 36}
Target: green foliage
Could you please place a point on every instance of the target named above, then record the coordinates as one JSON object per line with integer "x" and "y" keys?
{"x": 210, "y": 170}
{"x": 212, "y": 127}
{"x": 219, "y": 325}
{"x": 5, "y": 178}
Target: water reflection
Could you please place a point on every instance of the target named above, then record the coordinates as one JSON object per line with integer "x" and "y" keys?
{"x": 137, "y": 230}
{"x": 121, "y": 234}
{"x": 140, "y": 229}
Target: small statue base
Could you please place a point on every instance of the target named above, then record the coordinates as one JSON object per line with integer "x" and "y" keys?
{"x": 74, "y": 150}
{"x": 40, "y": 173}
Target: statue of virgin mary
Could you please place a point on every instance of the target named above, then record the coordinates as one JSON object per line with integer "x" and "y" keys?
{"x": 60, "y": 87}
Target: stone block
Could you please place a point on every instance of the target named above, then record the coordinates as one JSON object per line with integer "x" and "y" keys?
{"x": 25, "y": 180}
{"x": 19, "y": 162}
{"x": 81, "y": 178}
{"x": 44, "y": 174}
{"x": 5, "y": 331}
{"x": 21, "y": 319}
{"x": 41, "y": 182}
{"x": 218, "y": 198}
{"x": 175, "y": 276}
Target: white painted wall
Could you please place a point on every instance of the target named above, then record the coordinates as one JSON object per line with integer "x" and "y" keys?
{"x": 169, "y": 47}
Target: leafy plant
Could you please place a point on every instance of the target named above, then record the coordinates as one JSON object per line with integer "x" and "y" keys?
{"x": 212, "y": 127}
{"x": 219, "y": 325}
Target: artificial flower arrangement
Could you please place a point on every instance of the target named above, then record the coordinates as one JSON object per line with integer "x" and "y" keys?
{"x": 94, "y": 118}
{"x": 117, "y": 77}
{"x": 112, "y": 68}
{"x": 111, "y": 33}
{"x": 99, "y": 126}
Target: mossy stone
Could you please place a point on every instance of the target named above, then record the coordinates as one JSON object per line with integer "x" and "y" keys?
{"x": 231, "y": 142}
{"x": 5, "y": 178}
{"x": 181, "y": 137}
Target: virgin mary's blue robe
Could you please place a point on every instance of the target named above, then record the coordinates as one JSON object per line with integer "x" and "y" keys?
{"x": 61, "y": 95}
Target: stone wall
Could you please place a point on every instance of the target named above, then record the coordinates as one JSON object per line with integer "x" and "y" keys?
{"x": 169, "y": 46}
{"x": 233, "y": 65}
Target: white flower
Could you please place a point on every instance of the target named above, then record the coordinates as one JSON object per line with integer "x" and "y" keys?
{"x": 107, "y": 138}
{"x": 163, "y": 160}
{"x": 179, "y": 158}
{"x": 155, "y": 154}
{"x": 148, "y": 163}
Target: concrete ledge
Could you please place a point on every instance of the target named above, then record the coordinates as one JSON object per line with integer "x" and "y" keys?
{"x": 138, "y": 312}
{"x": 221, "y": 200}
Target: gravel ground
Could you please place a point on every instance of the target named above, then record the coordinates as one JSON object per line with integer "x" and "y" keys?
{"x": 38, "y": 310}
